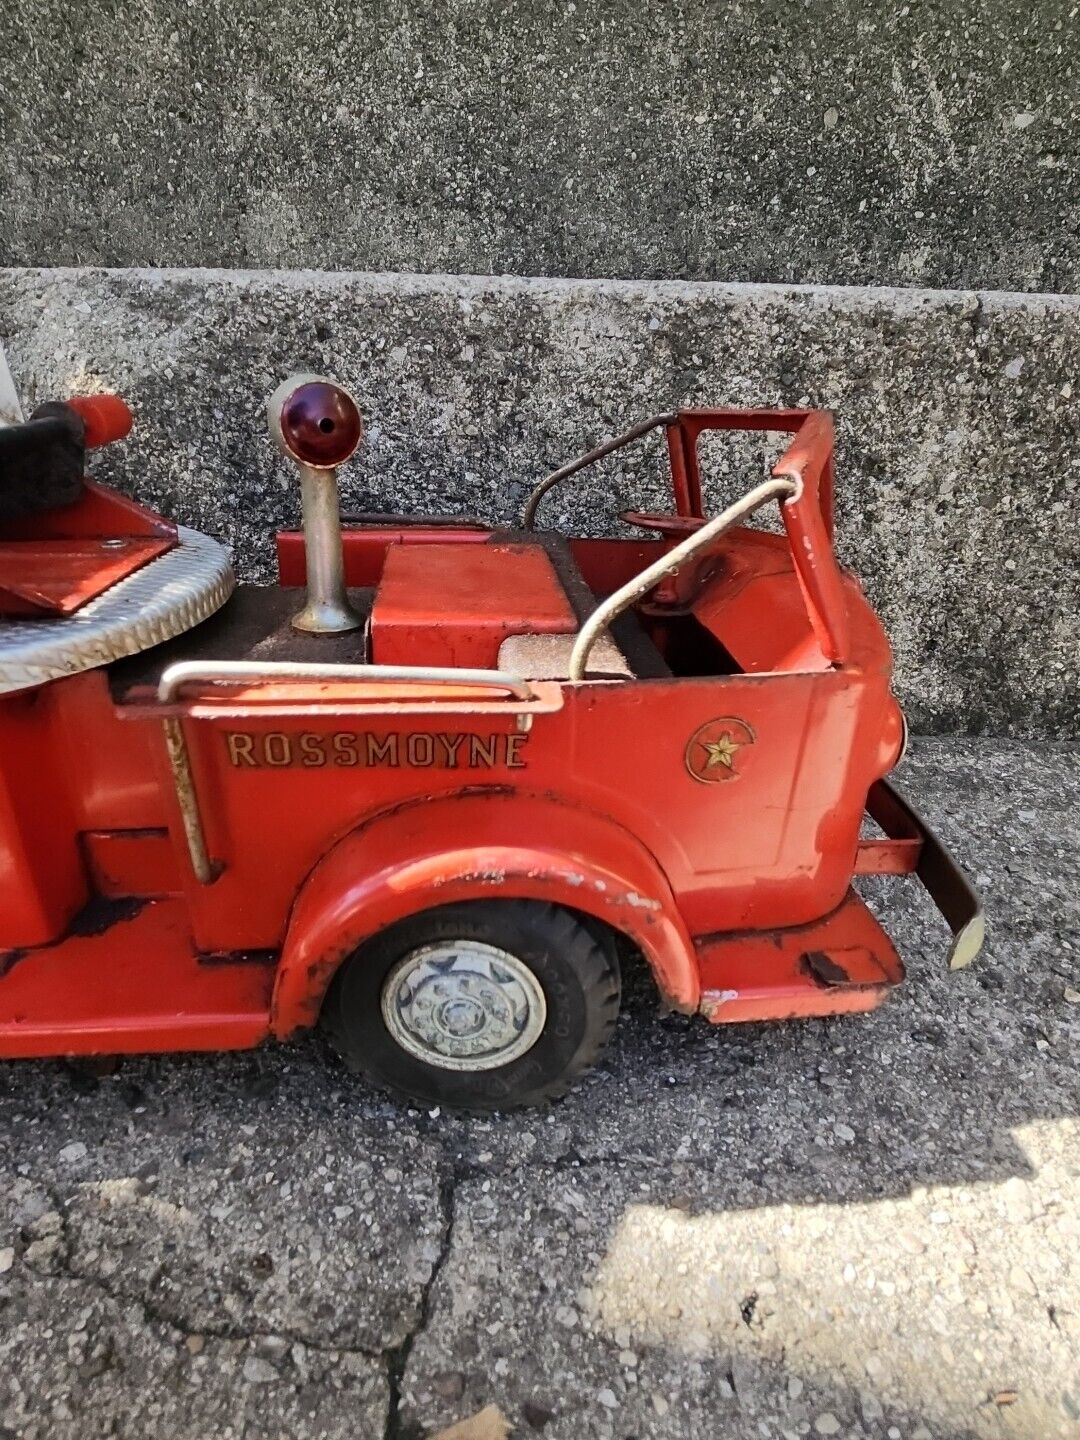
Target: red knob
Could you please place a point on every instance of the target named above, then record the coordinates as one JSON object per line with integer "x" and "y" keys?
{"x": 105, "y": 418}
{"x": 319, "y": 423}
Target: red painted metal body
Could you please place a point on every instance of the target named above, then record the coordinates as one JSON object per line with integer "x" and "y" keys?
{"x": 708, "y": 807}
{"x": 485, "y": 592}
{"x": 55, "y": 561}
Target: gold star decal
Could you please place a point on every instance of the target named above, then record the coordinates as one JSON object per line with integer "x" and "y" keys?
{"x": 721, "y": 752}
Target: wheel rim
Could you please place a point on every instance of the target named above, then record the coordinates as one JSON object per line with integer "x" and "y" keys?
{"x": 463, "y": 1005}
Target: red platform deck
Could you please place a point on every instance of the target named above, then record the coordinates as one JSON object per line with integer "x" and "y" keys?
{"x": 842, "y": 963}
{"x": 126, "y": 979}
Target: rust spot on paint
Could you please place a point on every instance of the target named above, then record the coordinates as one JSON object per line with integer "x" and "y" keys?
{"x": 9, "y": 959}
{"x": 824, "y": 969}
{"x": 99, "y": 915}
{"x": 237, "y": 957}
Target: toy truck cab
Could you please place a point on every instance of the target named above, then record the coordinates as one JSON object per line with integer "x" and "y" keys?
{"x": 428, "y": 806}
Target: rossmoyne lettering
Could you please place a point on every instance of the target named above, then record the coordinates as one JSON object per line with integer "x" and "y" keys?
{"x": 343, "y": 749}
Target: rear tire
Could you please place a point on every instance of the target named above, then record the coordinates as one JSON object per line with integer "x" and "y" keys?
{"x": 484, "y": 1005}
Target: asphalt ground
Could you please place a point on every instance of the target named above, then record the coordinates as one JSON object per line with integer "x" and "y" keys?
{"x": 863, "y": 1227}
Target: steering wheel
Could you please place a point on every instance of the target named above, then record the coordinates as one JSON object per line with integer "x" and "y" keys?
{"x": 673, "y": 527}
{"x": 678, "y": 590}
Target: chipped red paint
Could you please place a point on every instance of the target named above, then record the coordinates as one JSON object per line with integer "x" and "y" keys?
{"x": 414, "y": 858}
{"x": 712, "y": 816}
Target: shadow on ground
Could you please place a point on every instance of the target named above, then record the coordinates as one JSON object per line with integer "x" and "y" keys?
{"x": 861, "y": 1227}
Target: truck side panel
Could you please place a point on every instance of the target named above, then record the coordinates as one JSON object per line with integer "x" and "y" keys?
{"x": 767, "y": 839}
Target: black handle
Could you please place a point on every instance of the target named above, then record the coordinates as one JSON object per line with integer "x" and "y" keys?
{"x": 41, "y": 461}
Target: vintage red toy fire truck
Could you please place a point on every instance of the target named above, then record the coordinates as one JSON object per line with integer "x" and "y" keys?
{"x": 430, "y": 803}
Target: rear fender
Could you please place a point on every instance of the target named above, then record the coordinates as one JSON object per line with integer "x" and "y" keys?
{"x": 470, "y": 848}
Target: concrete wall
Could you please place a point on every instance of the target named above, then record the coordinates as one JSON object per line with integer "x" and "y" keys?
{"x": 825, "y": 141}
{"x": 959, "y": 465}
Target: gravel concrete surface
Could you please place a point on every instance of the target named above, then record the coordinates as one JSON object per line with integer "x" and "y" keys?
{"x": 838, "y": 142}
{"x": 862, "y": 1227}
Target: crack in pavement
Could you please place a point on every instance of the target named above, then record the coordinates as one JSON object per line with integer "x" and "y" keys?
{"x": 463, "y": 1173}
{"x": 156, "y": 1316}
{"x": 397, "y": 1357}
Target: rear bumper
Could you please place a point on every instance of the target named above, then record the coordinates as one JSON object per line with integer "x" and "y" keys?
{"x": 912, "y": 848}
{"x": 845, "y": 961}
{"x": 839, "y": 964}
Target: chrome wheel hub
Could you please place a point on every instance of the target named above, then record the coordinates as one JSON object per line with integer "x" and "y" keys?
{"x": 463, "y": 1005}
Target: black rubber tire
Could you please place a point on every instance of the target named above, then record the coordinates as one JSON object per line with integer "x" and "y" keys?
{"x": 579, "y": 976}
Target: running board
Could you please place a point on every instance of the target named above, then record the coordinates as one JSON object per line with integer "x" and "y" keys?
{"x": 126, "y": 979}
{"x": 838, "y": 965}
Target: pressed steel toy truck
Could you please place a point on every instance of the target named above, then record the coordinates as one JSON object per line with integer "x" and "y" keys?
{"x": 429, "y": 804}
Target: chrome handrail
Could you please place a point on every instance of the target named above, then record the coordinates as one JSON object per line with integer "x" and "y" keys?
{"x": 183, "y": 672}
{"x": 239, "y": 671}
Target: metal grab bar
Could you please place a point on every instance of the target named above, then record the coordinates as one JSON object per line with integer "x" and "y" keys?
{"x": 175, "y": 676}
{"x": 528, "y": 519}
{"x": 238, "y": 671}
{"x": 205, "y": 870}
{"x": 610, "y": 609}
